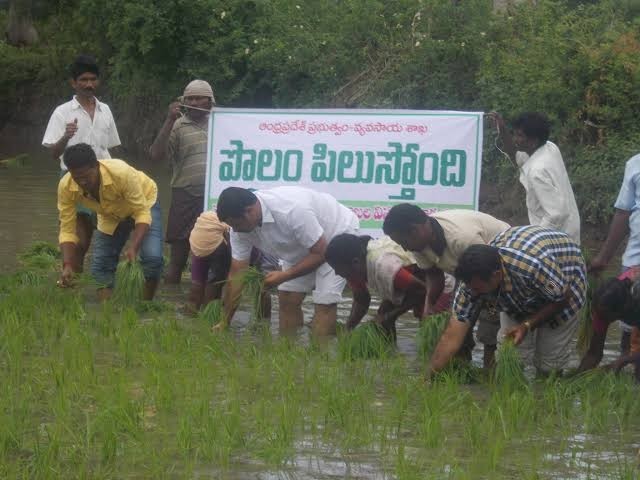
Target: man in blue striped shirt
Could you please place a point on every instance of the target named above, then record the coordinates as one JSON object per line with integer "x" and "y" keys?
{"x": 536, "y": 278}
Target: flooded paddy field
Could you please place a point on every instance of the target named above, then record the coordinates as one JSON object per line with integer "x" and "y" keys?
{"x": 94, "y": 390}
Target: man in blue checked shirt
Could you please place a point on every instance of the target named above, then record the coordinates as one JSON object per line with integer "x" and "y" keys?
{"x": 536, "y": 279}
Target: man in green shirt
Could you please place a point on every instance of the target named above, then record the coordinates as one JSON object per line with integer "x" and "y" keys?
{"x": 182, "y": 140}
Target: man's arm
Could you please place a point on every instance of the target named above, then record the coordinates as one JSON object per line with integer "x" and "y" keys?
{"x": 232, "y": 292}
{"x": 593, "y": 356}
{"x": 435, "y": 286}
{"x": 308, "y": 264}
{"x": 618, "y": 230}
{"x": 141, "y": 213}
{"x": 57, "y": 149}
{"x": 359, "y": 308}
{"x": 158, "y": 149}
{"x": 538, "y": 319}
{"x": 67, "y": 237}
{"x": 448, "y": 345}
{"x": 139, "y": 232}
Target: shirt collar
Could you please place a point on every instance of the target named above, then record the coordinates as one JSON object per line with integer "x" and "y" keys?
{"x": 105, "y": 178}
{"x": 267, "y": 216}
{"x": 75, "y": 104}
{"x": 506, "y": 285}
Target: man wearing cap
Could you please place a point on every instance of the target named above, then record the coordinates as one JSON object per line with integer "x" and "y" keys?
{"x": 182, "y": 140}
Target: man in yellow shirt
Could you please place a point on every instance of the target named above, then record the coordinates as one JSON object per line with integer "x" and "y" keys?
{"x": 125, "y": 200}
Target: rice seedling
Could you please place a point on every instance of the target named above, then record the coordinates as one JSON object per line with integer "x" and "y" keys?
{"x": 509, "y": 370}
{"x": 253, "y": 287}
{"x": 460, "y": 372}
{"x": 212, "y": 313}
{"x": 129, "y": 283}
{"x": 429, "y": 333}
{"x": 366, "y": 341}
{"x": 40, "y": 256}
{"x": 153, "y": 306}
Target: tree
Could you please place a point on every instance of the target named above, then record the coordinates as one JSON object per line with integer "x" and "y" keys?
{"x": 20, "y": 30}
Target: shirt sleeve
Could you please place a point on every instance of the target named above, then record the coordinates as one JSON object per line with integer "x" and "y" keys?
{"x": 140, "y": 208}
{"x": 465, "y": 307}
{"x": 113, "y": 139}
{"x": 403, "y": 280}
{"x": 627, "y": 195}
{"x": 549, "y": 280}
{"x": 173, "y": 147}
{"x": 240, "y": 246}
{"x": 55, "y": 129}
{"x": 66, "y": 213}
{"x": 305, "y": 227}
{"x": 552, "y": 201}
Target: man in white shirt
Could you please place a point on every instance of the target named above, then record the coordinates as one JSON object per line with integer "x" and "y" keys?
{"x": 294, "y": 224}
{"x": 550, "y": 200}
{"x": 83, "y": 119}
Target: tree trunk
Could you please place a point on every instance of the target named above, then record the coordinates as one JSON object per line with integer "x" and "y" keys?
{"x": 20, "y": 29}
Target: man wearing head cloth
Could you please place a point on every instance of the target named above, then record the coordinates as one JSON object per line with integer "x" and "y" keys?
{"x": 182, "y": 141}
{"x": 211, "y": 260}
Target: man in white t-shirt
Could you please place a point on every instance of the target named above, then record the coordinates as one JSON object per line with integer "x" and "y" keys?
{"x": 294, "y": 224}
{"x": 83, "y": 119}
{"x": 550, "y": 200}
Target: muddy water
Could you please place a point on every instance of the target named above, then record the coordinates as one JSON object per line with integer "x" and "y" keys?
{"x": 28, "y": 213}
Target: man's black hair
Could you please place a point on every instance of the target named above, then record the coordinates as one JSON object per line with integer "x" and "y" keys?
{"x": 344, "y": 248}
{"x": 478, "y": 261}
{"x": 78, "y": 156}
{"x": 233, "y": 201}
{"x": 533, "y": 125}
{"x": 400, "y": 218}
{"x": 83, "y": 64}
{"x": 613, "y": 295}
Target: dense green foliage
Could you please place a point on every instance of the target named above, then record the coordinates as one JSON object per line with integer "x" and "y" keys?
{"x": 577, "y": 61}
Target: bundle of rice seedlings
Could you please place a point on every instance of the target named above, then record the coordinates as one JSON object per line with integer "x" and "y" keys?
{"x": 369, "y": 340}
{"x": 40, "y": 255}
{"x": 212, "y": 313}
{"x": 153, "y": 306}
{"x": 585, "y": 329}
{"x": 430, "y": 332}
{"x": 461, "y": 372}
{"x": 129, "y": 283}
{"x": 252, "y": 287}
{"x": 509, "y": 370}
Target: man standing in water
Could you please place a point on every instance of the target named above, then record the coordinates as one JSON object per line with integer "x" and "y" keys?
{"x": 550, "y": 200}
{"x": 183, "y": 141}
{"x": 83, "y": 119}
{"x": 295, "y": 225}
